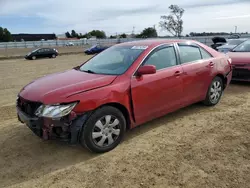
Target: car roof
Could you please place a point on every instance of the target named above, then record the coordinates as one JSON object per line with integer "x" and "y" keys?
{"x": 155, "y": 42}
{"x": 239, "y": 39}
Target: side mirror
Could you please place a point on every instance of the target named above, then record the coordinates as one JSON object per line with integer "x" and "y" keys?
{"x": 146, "y": 69}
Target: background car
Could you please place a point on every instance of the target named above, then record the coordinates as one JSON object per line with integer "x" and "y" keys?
{"x": 95, "y": 49}
{"x": 42, "y": 53}
{"x": 218, "y": 41}
{"x": 231, "y": 43}
{"x": 70, "y": 44}
{"x": 240, "y": 56}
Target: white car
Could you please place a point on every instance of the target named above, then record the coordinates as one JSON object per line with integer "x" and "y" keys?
{"x": 70, "y": 44}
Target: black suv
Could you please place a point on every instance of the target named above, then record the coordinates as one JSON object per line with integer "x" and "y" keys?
{"x": 42, "y": 52}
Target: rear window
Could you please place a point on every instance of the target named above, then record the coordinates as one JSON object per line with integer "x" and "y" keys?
{"x": 205, "y": 54}
{"x": 189, "y": 53}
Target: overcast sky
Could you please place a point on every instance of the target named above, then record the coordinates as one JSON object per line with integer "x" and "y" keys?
{"x": 58, "y": 16}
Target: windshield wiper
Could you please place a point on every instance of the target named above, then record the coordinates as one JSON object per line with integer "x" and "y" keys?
{"x": 89, "y": 71}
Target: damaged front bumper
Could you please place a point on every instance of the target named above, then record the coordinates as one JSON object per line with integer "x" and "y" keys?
{"x": 64, "y": 129}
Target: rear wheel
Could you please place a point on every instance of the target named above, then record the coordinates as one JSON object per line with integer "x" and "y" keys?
{"x": 103, "y": 130}
{"x": 214, "y": 92}
{"x": 33, "y": 57}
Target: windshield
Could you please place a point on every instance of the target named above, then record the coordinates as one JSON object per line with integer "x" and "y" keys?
{"x": 234, "y": 42}
{"x": 93, "y": 46}
{"x": 35, "y": 50}
{"x": 243, "y": 47}
{"x": 115, "y": 60}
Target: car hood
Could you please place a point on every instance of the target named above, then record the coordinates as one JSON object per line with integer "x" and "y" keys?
{"x": 240, "y": 58}
{"x": 61, "y": 85}
{"x": 219, "y": 39}
{"x": 226, "y": 46}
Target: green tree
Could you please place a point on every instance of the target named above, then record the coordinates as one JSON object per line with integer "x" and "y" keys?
{"x": 67, "y": 34}
{"x": 1, "y": 34}
{"x": 74, "y": 34}
{"x": 112, "y": 37}
{"x": 149, "y": 32}
{"x": 86, "y": 35}
{"x": 5, "y": 35}
{"x": 98, "y": 34}
{"x": 173, "y": 23}
{"x": 123, "y": 35}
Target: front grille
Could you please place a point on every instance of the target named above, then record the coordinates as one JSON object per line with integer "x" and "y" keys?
{"x": 28, "y": 107}
{"x": 241, "y": 73}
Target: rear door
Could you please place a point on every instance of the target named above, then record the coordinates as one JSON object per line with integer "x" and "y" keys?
{"x": 47, "y": 52}
{"x": 40, "y": 53}
{"x": 157, "y": 94}
{"x": 197, "y": 66}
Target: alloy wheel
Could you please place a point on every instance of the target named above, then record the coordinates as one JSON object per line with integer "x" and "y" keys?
{"x": 215, "y": 92}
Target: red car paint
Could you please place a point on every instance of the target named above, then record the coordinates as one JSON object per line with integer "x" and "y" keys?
{"x": 144, "y": 98}
{"x": 241, "y": 65}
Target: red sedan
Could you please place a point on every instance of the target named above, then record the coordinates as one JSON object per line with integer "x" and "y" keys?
{"x": 240, "y": 56}
{"x": 122, "y": 87}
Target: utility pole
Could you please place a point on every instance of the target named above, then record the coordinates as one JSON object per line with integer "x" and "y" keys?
{"x": 133, "y": 31}
{"x": 235, "y": 29}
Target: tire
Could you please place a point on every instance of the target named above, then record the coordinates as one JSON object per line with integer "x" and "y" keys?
{"x": 53, "y": 56}
{"x": 105, "y": 125}
{"x": 214, "y": 92}
{"x": 33, "y": 57}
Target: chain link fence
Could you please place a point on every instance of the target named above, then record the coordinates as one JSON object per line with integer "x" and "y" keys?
{"x": 64, "y": 43}
{"x": 11, "y": 49}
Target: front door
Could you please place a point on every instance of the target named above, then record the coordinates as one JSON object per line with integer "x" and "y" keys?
{"x": 157, "y": 94}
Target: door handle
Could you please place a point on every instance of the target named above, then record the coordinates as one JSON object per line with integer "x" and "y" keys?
{"x": 177, "y": 73}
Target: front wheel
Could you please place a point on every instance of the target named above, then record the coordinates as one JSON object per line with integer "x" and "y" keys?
{"x": 214, "y": 92}
{"x": 53, "y": 56}
{"x": 33, "y": 57}
{"x": 103, "y": 130}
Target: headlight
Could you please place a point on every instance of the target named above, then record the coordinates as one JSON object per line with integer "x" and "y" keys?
{"x": 55, "y": 111}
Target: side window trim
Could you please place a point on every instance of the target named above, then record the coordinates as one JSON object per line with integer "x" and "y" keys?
{"x": 158, "y": 49}
{"x": 191, "y": 45}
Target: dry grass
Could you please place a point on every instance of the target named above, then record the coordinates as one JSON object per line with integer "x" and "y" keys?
{"x": 194, "y": 147}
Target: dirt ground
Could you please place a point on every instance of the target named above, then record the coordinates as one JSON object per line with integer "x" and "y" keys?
{"x": 197, "y": 146}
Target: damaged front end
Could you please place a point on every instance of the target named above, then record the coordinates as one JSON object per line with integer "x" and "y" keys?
{"x": 51, "y": 121}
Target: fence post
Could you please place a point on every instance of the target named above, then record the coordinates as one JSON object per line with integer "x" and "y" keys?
{"x": 6, "y": 46}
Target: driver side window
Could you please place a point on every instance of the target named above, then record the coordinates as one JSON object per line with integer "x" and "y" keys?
{"x": 162, "y": 58}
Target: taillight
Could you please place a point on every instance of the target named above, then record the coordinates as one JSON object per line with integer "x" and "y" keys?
{"x": 229, "y": 61}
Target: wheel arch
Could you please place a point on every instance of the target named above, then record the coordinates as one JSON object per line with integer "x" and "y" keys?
{"x": 123, "y": 110}
{"x": 224, "y": 80}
